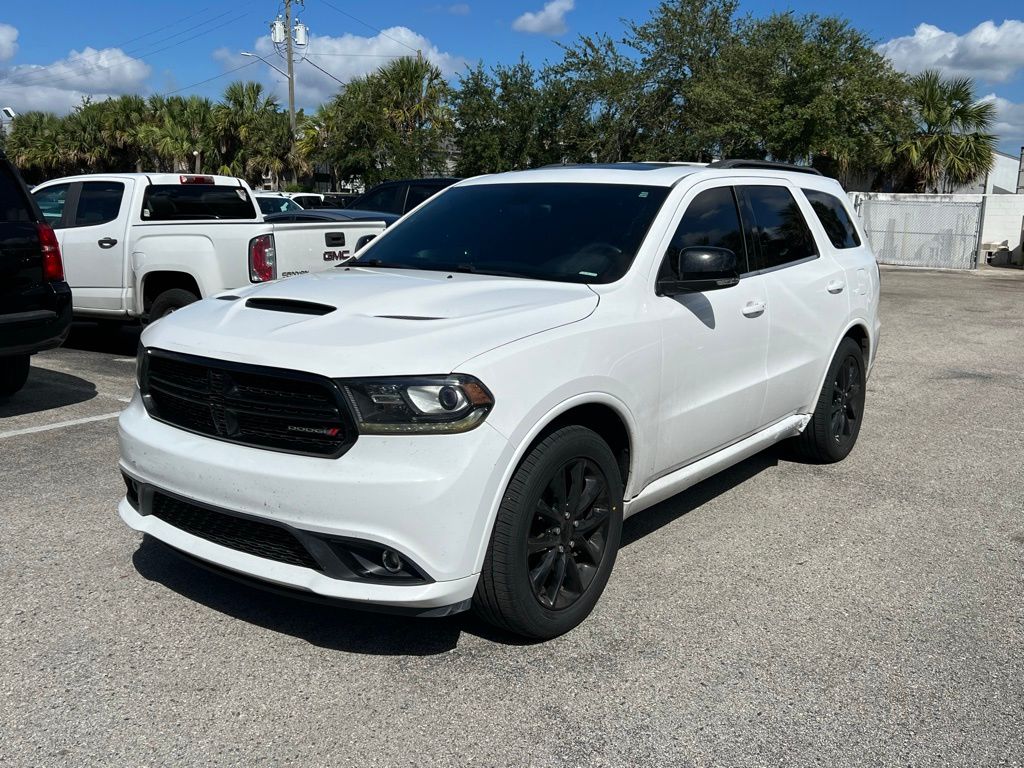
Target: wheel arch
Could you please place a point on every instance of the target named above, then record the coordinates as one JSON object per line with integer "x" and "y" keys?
{"x": 156, "y": 282}
{"x": 605, "y": 414}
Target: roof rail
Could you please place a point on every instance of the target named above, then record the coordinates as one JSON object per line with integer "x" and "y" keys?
{"x": 767, "y": 165}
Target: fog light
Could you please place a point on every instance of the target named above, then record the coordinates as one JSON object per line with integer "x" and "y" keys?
{"x": 391, "y": 561}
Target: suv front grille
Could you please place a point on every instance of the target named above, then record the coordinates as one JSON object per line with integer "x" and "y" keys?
{"x": 250, "y": 536}
{"x": 260, "y": 407}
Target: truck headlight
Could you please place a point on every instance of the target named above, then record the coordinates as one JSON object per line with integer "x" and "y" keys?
{"x": 417, "y": 404}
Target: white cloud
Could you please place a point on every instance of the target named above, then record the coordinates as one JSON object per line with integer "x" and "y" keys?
{"x": 8, "y": 42}
{"x": 345, "y": 57}
{"x": 59, "y": 86}
{"x": 1009, "y": 123}
{"x": 990, "y": 52}
{"x": 458, "y": 9}
{"x": 548, "y": 21}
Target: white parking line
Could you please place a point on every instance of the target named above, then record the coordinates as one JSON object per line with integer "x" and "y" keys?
{"x": 58, "y": 425}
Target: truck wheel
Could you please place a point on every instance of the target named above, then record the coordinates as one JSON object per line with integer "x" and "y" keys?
{"x": 832, "y": 431}
{"x": 555, "y": 538}
{"x": 13, "y": 374}
{"x": 169, "y": 301}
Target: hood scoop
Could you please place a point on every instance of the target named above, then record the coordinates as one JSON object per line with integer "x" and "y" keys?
{"x": 408, "y": 317}
{"x": 294, "y": 306}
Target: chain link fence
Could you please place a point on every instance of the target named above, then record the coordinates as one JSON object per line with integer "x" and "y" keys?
{"x": 937, "y": 231}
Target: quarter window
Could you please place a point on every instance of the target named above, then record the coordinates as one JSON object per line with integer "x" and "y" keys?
{"x": 711, "y": 219}
{"x": 98, "y": 203}
{"x": 782, "y": 234}
{"x": 51, "y": 202}
{"x": 834, "y": 219}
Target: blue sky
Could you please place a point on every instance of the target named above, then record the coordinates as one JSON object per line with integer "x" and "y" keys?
{"x": 50, "y": 60}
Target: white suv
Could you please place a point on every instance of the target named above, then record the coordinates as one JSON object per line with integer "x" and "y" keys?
{"x": 465, "y": 414}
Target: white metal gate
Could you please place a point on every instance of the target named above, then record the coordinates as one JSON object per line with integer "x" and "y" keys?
{"x": 938, "y": 231}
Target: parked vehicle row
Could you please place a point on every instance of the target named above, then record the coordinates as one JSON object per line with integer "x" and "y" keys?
{"x": 463, "y": 415}
{"x": 139, "y": 245}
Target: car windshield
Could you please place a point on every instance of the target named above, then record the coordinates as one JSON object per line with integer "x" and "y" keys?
{"x": 269, "y": 204}
{"x": 575, "y": 232}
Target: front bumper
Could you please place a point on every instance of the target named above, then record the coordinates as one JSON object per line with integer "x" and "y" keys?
{"x": 430, "y": 497}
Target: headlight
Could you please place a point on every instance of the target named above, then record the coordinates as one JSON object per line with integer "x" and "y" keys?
{"x": 417, "y": 404}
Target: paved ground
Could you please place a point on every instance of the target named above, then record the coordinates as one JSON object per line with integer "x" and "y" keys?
{"x": 870, "y": 613}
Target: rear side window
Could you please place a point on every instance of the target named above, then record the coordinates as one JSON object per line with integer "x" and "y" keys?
{"x": 13, "y": 205}
{"x": 388, "y": 199}
{"x": 711, "y": 219}
{"x": 782, "y": 234}
{"x": 51, "y": 202}
{"x": 98, "y": 203}
{"x": 418, "y": 193}
{"x": 178, "y": 202}
{"x": 834, "y": 219}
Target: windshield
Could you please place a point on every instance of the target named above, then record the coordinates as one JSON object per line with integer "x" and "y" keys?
{"x": 277, "y": 205}
{"x": 581, "y": 233}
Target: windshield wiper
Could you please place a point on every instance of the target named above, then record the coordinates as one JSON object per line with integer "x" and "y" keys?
{"x": 472, "y": 269}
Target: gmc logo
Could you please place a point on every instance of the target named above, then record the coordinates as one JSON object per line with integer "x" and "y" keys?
{"x": 335, "y": 255}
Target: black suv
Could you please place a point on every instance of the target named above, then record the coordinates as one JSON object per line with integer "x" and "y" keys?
{"x": 400, "y": 196}
{"x": 35, "y": 302}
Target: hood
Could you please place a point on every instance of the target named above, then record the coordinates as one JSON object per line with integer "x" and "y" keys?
{"x": 370, "y": 322}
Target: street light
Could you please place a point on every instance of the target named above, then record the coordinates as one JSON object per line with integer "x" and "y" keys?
{"x": 264, "y": 60}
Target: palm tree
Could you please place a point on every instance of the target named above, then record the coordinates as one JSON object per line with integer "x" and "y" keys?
{"x": 951, "y": 145}
{"x": 236, "y": 122}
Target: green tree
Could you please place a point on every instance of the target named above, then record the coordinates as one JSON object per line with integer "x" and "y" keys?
{"x": 950, "y": 144}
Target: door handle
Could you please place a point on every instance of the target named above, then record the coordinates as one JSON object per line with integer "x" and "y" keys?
{"x": 106, "y": 242}
{"x": 753, "y": 308}
{"x": 836, "y": 286}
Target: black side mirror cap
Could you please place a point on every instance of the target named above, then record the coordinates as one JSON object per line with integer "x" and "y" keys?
{"x": 702, "y": 268}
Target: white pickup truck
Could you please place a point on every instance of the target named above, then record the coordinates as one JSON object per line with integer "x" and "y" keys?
{"x": 140, "y": 245}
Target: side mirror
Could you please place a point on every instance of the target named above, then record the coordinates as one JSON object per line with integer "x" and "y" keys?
{"x": 702, "y": 268}
{"x": 363, "y": 241}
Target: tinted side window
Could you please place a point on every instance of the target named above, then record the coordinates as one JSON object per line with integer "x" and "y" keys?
{"x": 834, "y": 219}
{"x": 417, "y": 194}
{"x": 51, "y": 202}
{"x": 388, "y": 199}
{"x": 782, "y": 235}
{"x": 13, "y": 205}
{"x": 98, "y": 203}
{"x": 712, "y": 219}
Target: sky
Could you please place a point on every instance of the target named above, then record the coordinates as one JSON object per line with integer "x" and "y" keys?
{"x": 50, "y": 61}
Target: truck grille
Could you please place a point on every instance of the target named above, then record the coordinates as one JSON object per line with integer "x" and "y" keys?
{"x": 269, "y": 408}
{"x": 250, "y": 536}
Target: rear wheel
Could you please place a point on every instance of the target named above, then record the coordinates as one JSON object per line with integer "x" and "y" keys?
{"x": 170, "y": 301}
{"x": 555, "y": 538}
{"x": 13, "y": 374}
{"x": 832, "y": 431}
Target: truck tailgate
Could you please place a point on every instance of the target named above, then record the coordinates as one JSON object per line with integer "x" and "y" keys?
{"x": 308, "y": 247}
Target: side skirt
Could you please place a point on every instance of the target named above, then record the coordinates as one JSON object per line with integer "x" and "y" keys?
{"x": 675, "y": 482}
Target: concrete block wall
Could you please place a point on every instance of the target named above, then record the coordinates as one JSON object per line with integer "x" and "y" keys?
{"x": 1003, "y": 220}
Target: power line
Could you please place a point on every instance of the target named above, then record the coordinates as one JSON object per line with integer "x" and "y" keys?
{"x": 367, "y": 24}
{"x": 209, "y": 79}
{"x": 97, "y": 68}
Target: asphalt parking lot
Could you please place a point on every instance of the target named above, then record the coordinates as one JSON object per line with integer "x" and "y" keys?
{"x": 867, "y": 613}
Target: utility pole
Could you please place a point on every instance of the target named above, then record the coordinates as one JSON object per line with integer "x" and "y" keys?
{"x": 291, "y": 65}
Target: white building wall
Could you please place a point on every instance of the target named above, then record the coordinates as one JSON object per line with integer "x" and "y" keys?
{"x": 1001, "y": 179}
{"x": 1003, "y": 221}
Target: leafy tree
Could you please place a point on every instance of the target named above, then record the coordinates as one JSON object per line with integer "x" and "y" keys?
{"x": 949, "y": 144}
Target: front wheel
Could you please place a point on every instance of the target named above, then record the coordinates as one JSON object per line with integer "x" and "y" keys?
{"x": 832, "y": 431}
{"x": 555, "y": 538}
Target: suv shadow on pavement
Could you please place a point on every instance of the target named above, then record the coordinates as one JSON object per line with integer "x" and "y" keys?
{"x": 354, "y": 631}
{"x": 112, "y": 338}
{"x": 46, "y": 390}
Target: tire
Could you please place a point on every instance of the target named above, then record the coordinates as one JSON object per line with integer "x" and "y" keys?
{"x": 169, "y": 301}
{"x": 832, "y": 431}
{"x": 13, "y": 374}
{"x": 572, "y": 470}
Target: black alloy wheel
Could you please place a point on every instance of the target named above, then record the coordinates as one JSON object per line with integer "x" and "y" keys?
{"x": 555, "y": 538}
{"x": 569, "y": 533}
{"x": 835, "y": 424}
{"x": 847, "y": 400}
